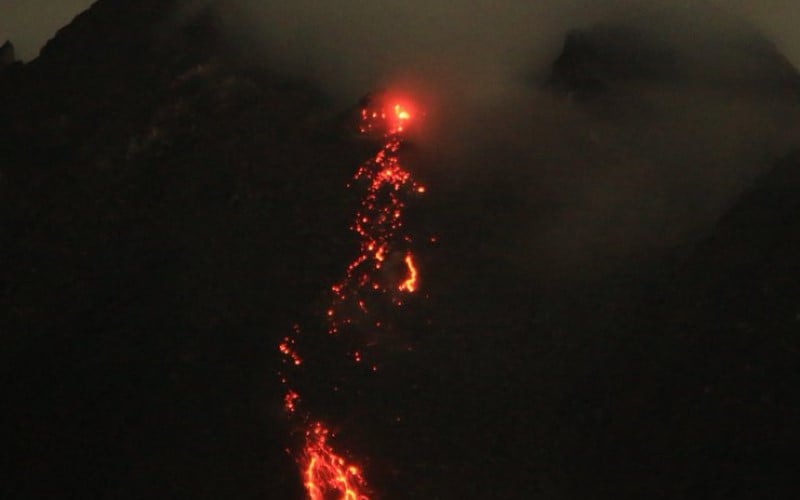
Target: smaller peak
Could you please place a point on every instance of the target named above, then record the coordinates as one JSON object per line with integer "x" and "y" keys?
{"x": 7, "y": 56}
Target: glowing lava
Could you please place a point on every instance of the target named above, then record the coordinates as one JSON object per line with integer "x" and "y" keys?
{"x": 410, "y": 284}
{"x": 384, "y": 267}
{"x": 326, "y": 473}
{"x": 378, "y": 221}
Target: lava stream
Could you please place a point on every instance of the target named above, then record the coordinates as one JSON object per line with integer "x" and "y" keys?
{"x": 327, "y": 473}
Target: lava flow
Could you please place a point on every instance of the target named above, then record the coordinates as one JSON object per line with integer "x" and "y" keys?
{"x": 384, "y": 269}
{"x": 378, "y": 223}
{"x": 325, "y": 472}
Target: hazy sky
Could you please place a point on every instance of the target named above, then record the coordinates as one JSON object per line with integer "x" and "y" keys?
{"x": 30, "y": 23}
{"x": 777, "y": 18}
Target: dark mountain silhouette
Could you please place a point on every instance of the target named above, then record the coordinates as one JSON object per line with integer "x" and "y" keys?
{"x": 158, "y": 196}
{"x": 709, "y": 48}
{"x": 7, "y": 56}
{"x": 695, "y": 395}
{"x": 591, "y": 58}
{"x": 170, "y": 207}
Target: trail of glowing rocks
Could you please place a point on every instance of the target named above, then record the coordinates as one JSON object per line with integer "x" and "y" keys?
{"x": 378, "y": 222}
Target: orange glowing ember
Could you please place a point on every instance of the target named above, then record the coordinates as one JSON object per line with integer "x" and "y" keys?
{"x": 378, "y": 223}
{"x": 327, "y": 475}
{"x": 410, "y": 284}
{"x": 287, "y": 349}
{"x": 290, "y": 401}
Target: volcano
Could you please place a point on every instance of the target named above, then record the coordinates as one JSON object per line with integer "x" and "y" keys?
{"x": 172, "y": 207}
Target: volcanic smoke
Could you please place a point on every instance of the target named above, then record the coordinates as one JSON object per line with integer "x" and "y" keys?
{"x": 380, "y": 274}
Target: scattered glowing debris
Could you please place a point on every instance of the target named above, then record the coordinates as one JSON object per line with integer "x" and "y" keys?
{"x": 379, "y": 219}
{"x": 287, "y": 349}
{"x": 290, "y": 401}
{"x": 378, "y": 223}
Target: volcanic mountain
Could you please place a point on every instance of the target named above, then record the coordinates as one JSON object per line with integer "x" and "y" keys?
{"x": 170, "y": 206}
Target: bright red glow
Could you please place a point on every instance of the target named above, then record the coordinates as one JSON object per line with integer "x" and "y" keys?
{"x": 401, "y": 113}
{"x": 387, "y": 115}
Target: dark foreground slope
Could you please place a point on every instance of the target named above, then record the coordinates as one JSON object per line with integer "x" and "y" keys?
{"x": 736, "y": 321}
{"x": 695, "y": 397}
{"x": 166, "y": 213}
{"x": 688, "y": 391}
{"x": 169, "y": 209}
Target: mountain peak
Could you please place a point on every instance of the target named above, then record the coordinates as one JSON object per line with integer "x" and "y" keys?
{"x": 672, "y": 47}
{"x": 7, "y": 56}
{"x": 109, "y": 27}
